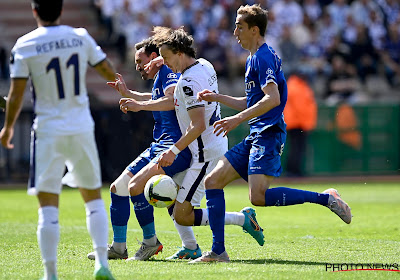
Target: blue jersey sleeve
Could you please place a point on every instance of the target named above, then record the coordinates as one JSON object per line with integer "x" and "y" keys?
{"x": 267, "y": 67}
{"x": 168, "y": 77}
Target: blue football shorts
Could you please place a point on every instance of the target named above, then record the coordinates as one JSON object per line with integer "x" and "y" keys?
{"x": 258, "y": 153}
{"x": 151, "y": 154}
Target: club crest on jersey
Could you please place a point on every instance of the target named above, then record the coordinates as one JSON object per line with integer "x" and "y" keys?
{"x": 172, "y": 76}
{"x": 270, "y": 74}
{"x": 257, "y": 151}
{"x": 188, "y": 90}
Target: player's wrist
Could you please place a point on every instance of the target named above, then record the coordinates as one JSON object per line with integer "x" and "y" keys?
{"x": 175, "y": 150}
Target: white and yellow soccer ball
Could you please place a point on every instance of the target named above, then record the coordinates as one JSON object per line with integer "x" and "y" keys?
{"x": 161, "y": 191}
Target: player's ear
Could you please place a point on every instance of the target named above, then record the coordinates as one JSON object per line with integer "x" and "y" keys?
{"x": 255, "y": 30}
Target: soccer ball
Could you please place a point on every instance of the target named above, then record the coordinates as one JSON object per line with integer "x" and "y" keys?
{"x": 161, "y": 191}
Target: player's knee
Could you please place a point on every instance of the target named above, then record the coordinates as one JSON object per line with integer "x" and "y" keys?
{"x": 120, "y": 185}
{"x": 257, "y": 197}
{"x": 135, "y": 188}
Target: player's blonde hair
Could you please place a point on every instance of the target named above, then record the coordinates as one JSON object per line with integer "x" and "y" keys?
{"x": 254, "y": 15}
{"x": 177, "y": 40}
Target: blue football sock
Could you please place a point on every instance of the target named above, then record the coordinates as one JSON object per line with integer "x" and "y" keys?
{"x": 144, "y": 214}
{"x": 216, "y": 215}
{"x": 282, "y": 196}
{"x": 119, "y": 213}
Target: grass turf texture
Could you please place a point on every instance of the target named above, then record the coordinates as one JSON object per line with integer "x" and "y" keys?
{"x": 300, "y": 239}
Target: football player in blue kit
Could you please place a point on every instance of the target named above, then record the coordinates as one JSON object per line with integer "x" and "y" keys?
{"x": 130, "y": 184}
{"x": 257, "y": 158}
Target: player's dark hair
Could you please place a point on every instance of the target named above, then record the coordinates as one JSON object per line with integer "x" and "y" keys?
{"x": 148, "y": 45}
{"x": 48, "y": 10}
{"x": 254, "y": 15}
{"x": 176, "y": 40}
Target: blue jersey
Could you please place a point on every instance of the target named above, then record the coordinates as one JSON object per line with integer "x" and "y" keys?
{"x": 166, "y": 125}
{"x": 264, "y": 67}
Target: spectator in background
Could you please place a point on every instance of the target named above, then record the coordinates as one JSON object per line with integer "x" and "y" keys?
{"x": 211, "y": 50}
{"x": 342, "y": 83}
{"x": 288, "y": 51}
{"x": 377, "y": 30}
{"x": 300, "y": 117}
{"x": 312, "y": 9}
{"x": 287, "y": 12}
{"x": 363, "y": 54}
{"x": 326, "y": 30}
{"x": 390, "y": 55}
{"x": 349, "y": 34}
{"x": 338, "y": 10}
{"x": 391, "y": 10}
{"x": 138, "y": 30}
{"x": 361, "y": 9}
{"x": 313, "y": 57}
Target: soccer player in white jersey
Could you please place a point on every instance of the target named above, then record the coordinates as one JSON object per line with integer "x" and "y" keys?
{"x": 195, "y": 120}
{"x": 55, "y": 57}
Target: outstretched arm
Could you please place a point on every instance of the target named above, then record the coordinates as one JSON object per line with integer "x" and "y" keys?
{"x": 237, "y": 103}
{"x": 13, "y": 109}
{"x": 165, "y": 103}
{"x": 120, "y": 86}
{"x": 270, "y": 100}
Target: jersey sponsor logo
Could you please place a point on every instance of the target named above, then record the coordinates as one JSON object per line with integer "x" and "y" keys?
{"x": 192, "y": 102}
{"x": 12, "y": 59}
{"x": 172, "y": 76}
{"x": 250, "y": 85}
{"x": 188, "y": 90}
{"x": 58, "y": 44}
{"x": 212, "y": 79}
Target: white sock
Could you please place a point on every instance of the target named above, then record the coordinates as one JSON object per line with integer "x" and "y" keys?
{"x": 48, "y": 235}
{"x": 97, "y": 225}
{"x": 231, "y": 218}
{"x": 187, "y": 235}
{"x": 234, "y": 218}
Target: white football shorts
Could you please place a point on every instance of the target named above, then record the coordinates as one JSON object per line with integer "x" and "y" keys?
{"x": 51, "y": 154}
{"x": 192, "y": 189}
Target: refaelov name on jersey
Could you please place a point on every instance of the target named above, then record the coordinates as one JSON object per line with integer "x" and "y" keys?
{"x": 58, "y": 44}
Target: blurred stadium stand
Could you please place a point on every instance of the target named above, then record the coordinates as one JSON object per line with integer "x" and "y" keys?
{"x": 370, "y": 146}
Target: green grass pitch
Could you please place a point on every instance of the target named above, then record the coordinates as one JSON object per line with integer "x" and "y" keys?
{"x": 300, "y": 239}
